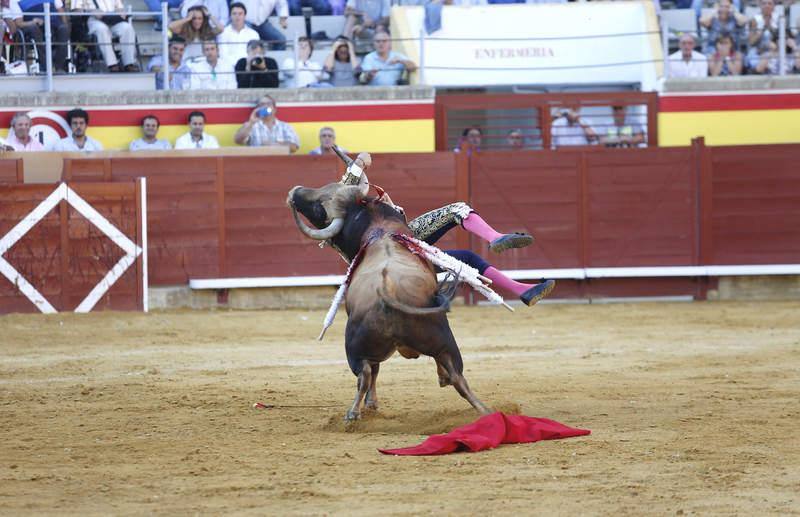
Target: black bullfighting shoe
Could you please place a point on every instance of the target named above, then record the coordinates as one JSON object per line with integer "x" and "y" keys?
{"x": 537, "y": 292}
{"x": 511, "y": 240}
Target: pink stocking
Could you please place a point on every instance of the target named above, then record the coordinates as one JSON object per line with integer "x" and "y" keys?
{"x": 475, "y": 224}
{"x": 500, "y": 280}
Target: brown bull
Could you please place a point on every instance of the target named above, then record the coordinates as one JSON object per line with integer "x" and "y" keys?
{"x": 393, "y": 301}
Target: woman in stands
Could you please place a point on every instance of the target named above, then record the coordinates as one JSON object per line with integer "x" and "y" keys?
{"x": 342, "y": 65}
{"x": 724, "y": 20}
{"x": 726, "y": 60}
{"x": 309, "y": 73}
{"x": 198, "y": 26}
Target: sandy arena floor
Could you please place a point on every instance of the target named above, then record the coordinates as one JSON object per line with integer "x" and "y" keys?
{"x": 694, "y": 409}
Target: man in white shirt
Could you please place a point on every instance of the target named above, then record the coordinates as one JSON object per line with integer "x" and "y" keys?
{"x": 78, "y": 121}
{"x": 109, "y": 19}
{"x": 263, "y": 128}
{"x": 258, "y": 13}
{"x": 196, "y": 138}
{"x": 569, "y": 129}
{"x": 150, "y": 140}
{"x": 210, "y": 72}
{"x": 19, "y": 138}
{"x": 687, "y": 62}
{"x": 233, "y": 40}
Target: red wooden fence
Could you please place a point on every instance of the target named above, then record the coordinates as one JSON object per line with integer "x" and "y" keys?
{"x": 11, "y": 170}
{"x": 226, "y": 216}
{"x": 64, "y": 255}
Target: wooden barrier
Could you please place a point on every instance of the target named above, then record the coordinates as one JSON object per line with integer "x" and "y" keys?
{"x": 12, "y": 170}
{"x": 64, "y": 255}
{"x": 690, "y": 206}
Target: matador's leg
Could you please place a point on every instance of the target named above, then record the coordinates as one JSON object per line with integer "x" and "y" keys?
{"x": 431, "y": 226}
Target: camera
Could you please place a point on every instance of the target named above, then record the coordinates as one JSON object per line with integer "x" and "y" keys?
{"x": 266, "y": 111}
{"x": 257, "y": 62}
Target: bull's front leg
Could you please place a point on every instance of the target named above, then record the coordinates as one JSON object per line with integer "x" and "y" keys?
{"x": 363, "y": 386}
{"x": 371, "y": 401}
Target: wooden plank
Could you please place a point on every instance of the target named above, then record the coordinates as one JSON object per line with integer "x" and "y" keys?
{"x": 221, "y": 240}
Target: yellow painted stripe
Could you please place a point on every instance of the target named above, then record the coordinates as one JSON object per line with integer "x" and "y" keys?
{"x": 368, "y": 135}
{"x": 730, "y": 127}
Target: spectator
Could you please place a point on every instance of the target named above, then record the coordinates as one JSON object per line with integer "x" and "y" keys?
{"x": 725, "y": 60}
{"x": 258, "y": 13}
{"x": 10, "y": 13}
{"x": 569, "y": 129}
{"x": 318, "y": 7}
{"x": 687, "y": 62}
{"x": 365, "y": 18}
{"x": 32, "y": 26}
{"x": 233, "y": 40}
{"x": 342, "y": 65}
{"x": 327, "y": 139}
{"x": 765, "y": 60}
{"x": 150, "y": 140}
{"x": 155, "y": 6}
{"x": 178, "y": 73}
{"x": 210, "y": 72}
{"x": 516, "y": 140}
{"x": 696, "y": 5}
{"x": 19, "y": 138}
{"x": 109, "y": 19}
{"x": 622, "y": 132}
{"x": 383, "y": 66}
{"x": 472, "y": 136}
{"x": 195, "y": 28}
{"x": 78, "y": 121}
{"x": 337, "y": 7}
{"x": 308, "y": 72}
{"x": 196, "y": 138}
{"x": 256, "y": 70}
{"x": 217, "y": 10}
{"x": 724, "y": 20}
{"x": 764, "y": 26}
{"x": 264, "y": 129}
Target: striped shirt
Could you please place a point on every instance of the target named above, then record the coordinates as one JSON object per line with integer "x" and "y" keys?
{"x": 280, "y": 133}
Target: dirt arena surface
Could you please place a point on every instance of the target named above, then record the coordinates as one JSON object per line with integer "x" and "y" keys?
{"x": 694, "y": 409}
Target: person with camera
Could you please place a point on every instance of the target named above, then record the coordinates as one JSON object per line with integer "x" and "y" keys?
{"x": 342, "y": 64}
{"x": 256, "y": 70}
{"x": 570, "y": 129}
{"x": 108, "y": 19}
{"x": 236, "y": 35}
{"x": 264, "y": 129}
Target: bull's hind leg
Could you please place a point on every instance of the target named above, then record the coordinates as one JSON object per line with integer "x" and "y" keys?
{"x": 371, "y": 401}
{"x": 452, "y": 363}
{"x": 363, "y": 386}
{"x": 444, "y": 377}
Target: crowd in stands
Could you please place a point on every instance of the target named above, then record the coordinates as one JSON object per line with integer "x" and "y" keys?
{"x": 731, "y": 43}
{"x": 728, "y": 42}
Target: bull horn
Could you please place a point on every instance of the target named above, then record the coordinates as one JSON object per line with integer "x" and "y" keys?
{"x": 326, "y": 233}
{"x": 346, "y": 159}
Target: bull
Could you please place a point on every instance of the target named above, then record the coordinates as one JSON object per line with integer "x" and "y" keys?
{"x": 393, "y": 301}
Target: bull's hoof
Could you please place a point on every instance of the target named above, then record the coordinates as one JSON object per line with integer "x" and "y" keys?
{"x": 510, "y": 240}
{"x": 352, "y": 416}
{"x": 371, "y": 405}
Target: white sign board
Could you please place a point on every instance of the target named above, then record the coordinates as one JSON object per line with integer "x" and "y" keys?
{"x": 535, "y": 44}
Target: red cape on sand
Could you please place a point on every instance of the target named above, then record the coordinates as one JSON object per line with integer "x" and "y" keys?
{"x": 488, "y": 432}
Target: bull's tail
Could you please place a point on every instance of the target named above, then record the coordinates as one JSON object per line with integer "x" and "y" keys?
{"x": 444, "y": 293}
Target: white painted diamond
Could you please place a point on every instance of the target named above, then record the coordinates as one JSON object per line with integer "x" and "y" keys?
{"x": 132, "y": 251}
